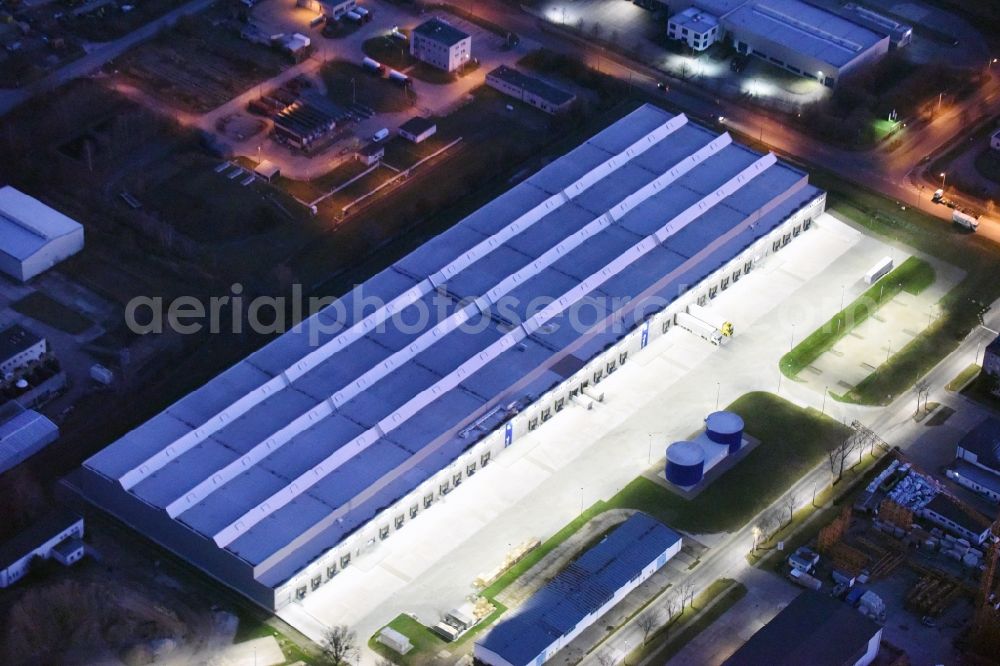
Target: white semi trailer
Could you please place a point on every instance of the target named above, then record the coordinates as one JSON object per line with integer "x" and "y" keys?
{"x": 712, "y": 317}
{"x": 965, "y": 220}
{"x": 700, "y": 328}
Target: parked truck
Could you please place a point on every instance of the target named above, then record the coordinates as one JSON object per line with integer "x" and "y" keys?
{"x": 699, "y": 327}
{"x": 805, "y": 580}
{"x": 965, "y": 220}
{"x": 373, "y": 66}
{"x": 399, "y": 78}
{"x": 879, "y": 270}
{"x": 714, "y": 318}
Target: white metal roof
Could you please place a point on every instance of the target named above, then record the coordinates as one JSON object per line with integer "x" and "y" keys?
{"x": 804, "y": 28}
{"x": 299, "y": 444}
{"x": 26, "y": 224}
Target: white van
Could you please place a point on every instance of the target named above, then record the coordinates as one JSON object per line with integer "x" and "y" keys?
{"x": 380, "y": 135}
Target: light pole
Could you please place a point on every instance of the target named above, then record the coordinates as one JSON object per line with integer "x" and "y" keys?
{"x": 944, "y": 178}
{"x": 718, "y": 394}
{"x": 826, "y": 389}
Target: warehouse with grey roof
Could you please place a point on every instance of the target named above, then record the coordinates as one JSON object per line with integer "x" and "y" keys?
{"x": 300, "y": 459}
{"x": 797, "y": 36}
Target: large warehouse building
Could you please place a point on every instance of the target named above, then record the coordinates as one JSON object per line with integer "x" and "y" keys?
{"x": 814, "y": 629}
{"x": 290, "y": 465}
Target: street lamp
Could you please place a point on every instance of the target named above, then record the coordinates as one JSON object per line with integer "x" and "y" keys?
{"x": 944, "y": 177}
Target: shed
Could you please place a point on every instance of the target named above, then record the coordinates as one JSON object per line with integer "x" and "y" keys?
{"x": 267, "y": 170}
{"x": 394, "y": 640}
{"x": 418, "y": 129}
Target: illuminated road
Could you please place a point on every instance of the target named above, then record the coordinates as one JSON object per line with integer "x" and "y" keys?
{"x": 893, "y": 173}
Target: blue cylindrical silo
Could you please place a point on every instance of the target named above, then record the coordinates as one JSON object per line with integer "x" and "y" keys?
{"x": 725, "y": 428}
{"x": 685, "y": 463}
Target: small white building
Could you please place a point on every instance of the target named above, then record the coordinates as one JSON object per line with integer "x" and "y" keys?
{"x": 995, "y": 140}
{"x": 33, "y": 236}
{"x": 418, "y": 129}
{"x": 332, "y": 9}
{"x": 19, "y": 347}
{"x": 696, "y": 28}
{"x": 371, "y": 153}
{"x": 956, "y": 518}
{"x": 441, "y": 44}
{"x": 61, "y": 529}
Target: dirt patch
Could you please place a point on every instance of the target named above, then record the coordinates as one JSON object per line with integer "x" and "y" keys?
{"x": 201, "y": 63}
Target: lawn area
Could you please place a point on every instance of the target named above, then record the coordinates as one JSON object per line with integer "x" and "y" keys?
{"x": 347, "y": 83}
{"x": 40, "y": 307}
{"x": 912, "y": 276}
{"x": 793, "y": 441}
{"x": 426, "y": 644}
{"x": 963, "y": 378}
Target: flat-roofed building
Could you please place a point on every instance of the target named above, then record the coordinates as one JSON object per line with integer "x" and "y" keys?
{"x": 42, "y": 540}
{"x": 300, "y": 459}
{"x": 418, "y": 129}
{"x": 991, "y": 357}
{"x": 696, "y": 28}
{"x": 957, "y": 518}
{"x": 33, "y": 236}
{"x": 803, "y": 38}
{"x": 19, "y": 347}
{"x": 530, "y": 90}
{"x": 813, "y": 629}
{"x": 580, "y": 594}
{"x": 441, "y": 44}
{"x": 977, "y": 460}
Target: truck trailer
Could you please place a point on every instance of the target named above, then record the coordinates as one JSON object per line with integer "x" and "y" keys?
{"x": 805, "y": 580}
{"x": 965, "y": 220}
{"x": 879, "y": 270}
{"x": 713, "y": 318}
{"x": 699, "y": 327}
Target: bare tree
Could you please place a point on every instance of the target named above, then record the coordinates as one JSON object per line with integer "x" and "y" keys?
{"x": 921, "y": 388}
{"x": 837, "y": 456}
{"x": 606, "y": 658}
{"x": 647, "y": 622}
{"x": 338, "y": 647}
{"x": 686, "y": 591}
{"x": 790, "y": 499}
{"x": 671, "y": 607}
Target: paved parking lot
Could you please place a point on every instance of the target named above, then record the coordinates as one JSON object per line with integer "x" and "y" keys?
{"x": 894, "y": 325}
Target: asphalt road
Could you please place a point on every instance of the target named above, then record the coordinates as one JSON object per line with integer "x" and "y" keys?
{"x": 895, "y": 173}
